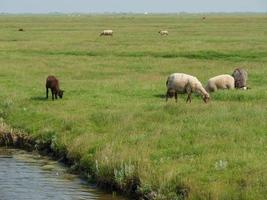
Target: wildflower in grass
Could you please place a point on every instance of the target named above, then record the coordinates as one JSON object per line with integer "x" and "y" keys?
{"x": 96, "y": 167}
{"x": 221, "y": 164}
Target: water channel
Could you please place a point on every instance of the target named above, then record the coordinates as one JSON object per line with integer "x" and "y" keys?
{"x": 29, "y": 176}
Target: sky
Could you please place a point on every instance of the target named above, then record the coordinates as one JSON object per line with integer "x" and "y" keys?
{"x": 136, "y": 6}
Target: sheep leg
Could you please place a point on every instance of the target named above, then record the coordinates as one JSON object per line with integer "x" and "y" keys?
{"x": 189, "y": 92}
{"x": 189, "y": 97}
{"x": 47, "y": 93}
{"x": 167, "y": 96}
{"x": 176, "y": 97}
{"x": 53, "y": 93}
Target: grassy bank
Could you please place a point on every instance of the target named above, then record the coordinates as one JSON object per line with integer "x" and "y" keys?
{"x": 113, "y": 119}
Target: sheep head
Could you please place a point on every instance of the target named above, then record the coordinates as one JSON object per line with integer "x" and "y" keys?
{"x": 206, "y": 98}
{"x": 60, "y": 93}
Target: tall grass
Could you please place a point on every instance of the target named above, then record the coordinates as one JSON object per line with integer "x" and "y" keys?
{"x": 113, "y": 119}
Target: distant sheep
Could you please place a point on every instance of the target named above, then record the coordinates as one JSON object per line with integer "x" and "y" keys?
{"x": 107, "y": 33}
{"x": 224, "y": 81}
{"x": 53, "y": 84}
{"x": 20, "y": 29}
{"x": 163, "y": 32}
{"x": 240, "y": 75}
{"x": 183, "y": 83}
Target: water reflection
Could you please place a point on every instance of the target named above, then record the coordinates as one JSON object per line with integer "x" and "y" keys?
{"x": 26, "y": 176}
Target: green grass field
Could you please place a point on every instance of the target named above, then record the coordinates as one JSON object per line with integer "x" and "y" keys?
{"x": 113, "y": 118}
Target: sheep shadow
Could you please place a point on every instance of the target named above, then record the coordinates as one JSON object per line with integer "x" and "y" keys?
{"x": 162, "y": 96}
{"x": 40, "y": 98}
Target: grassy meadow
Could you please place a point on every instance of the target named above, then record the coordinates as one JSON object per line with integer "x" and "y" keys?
{"x": 113, "y": 118}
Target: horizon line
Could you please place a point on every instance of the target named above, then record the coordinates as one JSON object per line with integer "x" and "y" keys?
{"x": 143, "y": 13}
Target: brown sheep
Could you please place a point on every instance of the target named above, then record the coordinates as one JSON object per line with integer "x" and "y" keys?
{"x": 240, "y": 75}
{"x": 53, "y": 84}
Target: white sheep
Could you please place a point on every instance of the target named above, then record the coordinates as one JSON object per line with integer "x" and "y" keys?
{"x": 223, "y": 81}
{"x": 163, "y": 32}
{"x": 180, "y": 83}
{"x": 107, "y": 32}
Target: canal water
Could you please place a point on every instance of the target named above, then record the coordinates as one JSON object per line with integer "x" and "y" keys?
{"x": 29, "y": 176}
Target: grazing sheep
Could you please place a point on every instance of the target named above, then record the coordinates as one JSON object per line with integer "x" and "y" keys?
{"x": 53, "y": 84}
{"x": 163, "y": 32}
{"x": 180, "y": 83}
{"x": 224, "y": 81}
{"x": 107, "y": 33}
{"x": 20, "y": 29}
{"x": 240, "y": 75}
